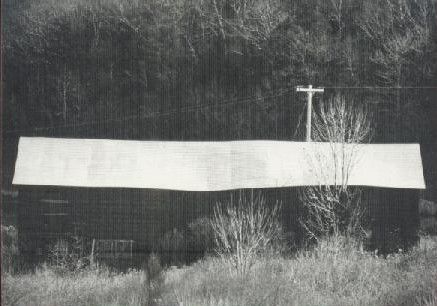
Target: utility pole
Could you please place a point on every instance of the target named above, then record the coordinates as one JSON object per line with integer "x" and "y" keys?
{"x": 310, "y": 92}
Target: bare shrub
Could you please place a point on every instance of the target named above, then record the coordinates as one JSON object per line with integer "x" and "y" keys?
{"x": 244, "y": 229}
{"x": 68, "y": 255}
{"x": 336, "y": 209}
{"x": 9, "y": 248}
{"x": 331, "y": 210}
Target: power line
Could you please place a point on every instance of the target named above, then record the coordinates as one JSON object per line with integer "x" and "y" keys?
{"x": 380, "y": 87}
{"x": 222, "y": 103}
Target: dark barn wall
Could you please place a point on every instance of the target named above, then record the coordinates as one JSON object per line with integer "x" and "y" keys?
{"x": 46, "y": 214}
{"x": 393, "y": 217}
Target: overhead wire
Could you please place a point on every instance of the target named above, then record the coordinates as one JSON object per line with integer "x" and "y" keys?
{"x": 222, "y": 103}
{"x": 191, "y": 108}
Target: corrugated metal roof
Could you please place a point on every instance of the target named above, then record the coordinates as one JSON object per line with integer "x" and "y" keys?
{"x": 213, "y": 166}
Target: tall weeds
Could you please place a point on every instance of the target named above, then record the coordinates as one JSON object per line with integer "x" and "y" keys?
{"x": 332, "y": 273}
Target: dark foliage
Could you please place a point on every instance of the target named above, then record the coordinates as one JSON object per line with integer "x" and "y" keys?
{"x": 213, "y": 70}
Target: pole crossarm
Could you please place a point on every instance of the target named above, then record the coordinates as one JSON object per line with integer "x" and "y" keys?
{"x": 309, "y": 89}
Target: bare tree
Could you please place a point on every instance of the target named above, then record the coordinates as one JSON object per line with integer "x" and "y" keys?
{"x": 333, "y": 207}
{"x": 249, "y": 21}
{"x": 401, "y": 32}
{"x": 401, "y": 36}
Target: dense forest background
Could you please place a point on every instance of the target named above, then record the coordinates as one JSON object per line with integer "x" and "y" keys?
{"x": 215, "y": 69}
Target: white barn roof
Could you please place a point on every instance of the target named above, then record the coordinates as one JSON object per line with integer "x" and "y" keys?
{"x": 211, "y": 166}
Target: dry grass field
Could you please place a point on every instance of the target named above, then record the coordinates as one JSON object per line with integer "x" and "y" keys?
{"x": 330, "y": 274}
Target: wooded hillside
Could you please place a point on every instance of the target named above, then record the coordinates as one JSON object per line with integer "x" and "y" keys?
{"x": 214, "y": 69}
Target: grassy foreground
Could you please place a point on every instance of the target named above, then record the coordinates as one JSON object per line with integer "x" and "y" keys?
{"x": 327, "y": 275}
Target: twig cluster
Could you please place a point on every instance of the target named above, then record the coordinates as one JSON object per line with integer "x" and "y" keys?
{"x": 332, "y": 206}
{"x": 245, "y": 229}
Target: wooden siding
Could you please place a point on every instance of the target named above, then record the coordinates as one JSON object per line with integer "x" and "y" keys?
{"x": 145, "y": 216}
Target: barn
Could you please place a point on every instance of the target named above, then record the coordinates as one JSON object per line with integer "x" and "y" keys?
{"x": 131, "y": 195}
